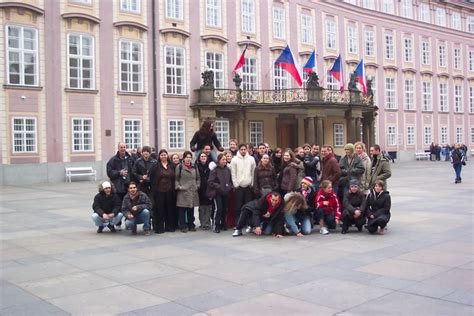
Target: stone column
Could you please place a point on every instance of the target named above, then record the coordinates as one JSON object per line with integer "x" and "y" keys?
{"x": 368, "y": 129}
{"x": 319, "y": 131}
{"x": 358, "y": 129}
{"x": 310, "y": 136}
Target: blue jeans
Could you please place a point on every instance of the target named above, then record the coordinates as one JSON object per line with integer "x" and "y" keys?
{"x": 141, "y": 218}
{"x": 186, "y": 217}
{"x": 99, "y": 221}
{"x": 329, "y": 219}
{"x": 298, "y": 223}
{"x": 457, "y": 169}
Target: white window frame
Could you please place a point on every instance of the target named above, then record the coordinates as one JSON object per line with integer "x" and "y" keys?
{"x": 444, "y": 135}
{"x": 425, "y": 53}
{"x": 409, "y": 85}
{"x": 132, "y": 137}
{"x": 391, "y": 135}
{"x": 369, "y": 37}
{"x": 390, "y": 93}
{"x": 174, "y": 86}
{"x": 424, "y": 12}
{"x": 338, "y": 134}
{"x": 443, "y": 97}
{"x": 389, "y": 46}
{"x": 426, "y": 95}
{"x": 280, "y": 78}
{"x": 458, "y": 106}
{"x": 279, "y": 25}
{"x": 331, "y": 82}
{"x": 470, "y": 24}
{"x": 174, "y": 9}
{"x": 411, "y": 141}
{"x": 352, "y": 39}
{"x": 456, "y": 20}
{"x": 306, "y": 29}
{"x": 457, "y": 60}
{"x": 222, "y": 130}
{"x": 176, "y": 134}
{"x": 81, "y": 135}
{"x": 248, "y": 9}
{"x": 80, "y": 61}
{"x": 427, "y": 135}
{"x": 22, "y": 52}
{"x": 472, "y": 135}
{"x": 217, "y": 66}
{"x": 213, "y": 13}
{"x": 368, "y": 4}
{"x": 442, "y": 55}
{"x": 255, "y": 132}
{"x": 471, "y": 60}
{"x": 85, "y": 2}
{"x": 388, "y": 7}
{"x": 23, "y": 135}
{"x": 250, "y": 74}
{"x": 459, "y": 135}
{"x": 407, "y": 9}
{"x": 131, "y": 85}
{"x": 440, "y": 17}
{"x": 331, "y": 35}
{"x": 471, "y": 99}
{"x": 130, "y": 6}
{"x": 408, "y": 51}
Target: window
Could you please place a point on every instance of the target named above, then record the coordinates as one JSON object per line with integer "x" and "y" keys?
{"x": 132, "y": 133}
{"x": 471, "y": 99}
{"x": 456, "y": 20}
{"x": 22, "y": 55}
{"x": 427, "y": 105}
{"x": 82, "y": 135}
{"x": 369, "y": 43}
{"x": 471, "y": 60}
{"x": 368, "y": 4}
{"x": 443, "y": 97}
{"x": 444, "y": 135}
{"x": 280, "y": 78}
{"x": 472, "y": 135}
{"x": 389, "y": 49}
{"x": 458, "y": 99}
{"x": 350, "y": 1}
{"x": 215, "y": 62}
{"x": 425, "y": 12}
{"x": 174, "y": 9}
{"x": 407, "y": 9}
{"x": 81, "y": 61}
{"x": 330, "y": 33}
{"x": 256, "y": 132}
{"x": 352, "y": 39}
{"x": 425, "y": 53}
{"x": 457, "y": 58}
{"x": 278, "y": 23}
{"x": 470, "y": 24}
{"x": 248, "y": 16}
{"x": 390, "y": 93}
{"x": 306, "y": 29}
{"x": 174, "y": 64}
{"x": 338, "y": 135}
{"x": 392, "y": 136}
{"x": 81, "y": 1}
{"x": 440, "y": 17}
{"x": 331, "y": 82}
{"x": 459, "y": 135}
{"x": 130, "y": 5}
{"x": 131, "y": 66}
{"x": 427, "y": 139}
{"x": 176, "y": 134}
{"x": 408, "y": 50}
{"x": 24, "y": 135}
{"x": 410, "y": 135}
{"x": 442, "y": 55}
{"x": 249, "y": 74}
{"x": 213, "y": 13}
{"x": 409, "y": 94}
{"x": 221, "y": 128}
{"x": 388, "y": 7}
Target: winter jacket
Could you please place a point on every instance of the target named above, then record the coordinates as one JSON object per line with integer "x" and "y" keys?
{"x": 330, "y": 169}
{"x": 106, "y": 204}
{"x": 350, "y": 169}
{"x": 199, "y": 140}
{"x": 353, "y": 201}
{"x": 220, "y": 180}
{"x": 288, "y": 177}
{"x": 114, "y": 165}
{"x": 311, "y": 165}
{"x": 143, "y": 167}
{"x": 333, "y": 206}
{"x": 187, "y": 184}
{"x": 378, "y": 204}
{"x": 264, "y": 178}
{"x": 204, "y": 173}
{"x": 141, "y": 201}
{"x": 277, "y": 164}
{"x": 457, "y": 156}
{"x": 242, "y": 169}
{"x": 364, "y": 180}
{"x": 309, "y": 195}
{"x": 263, "y": 205}
{"x": 161, "y": 178}
{"x": 381, "y": 171}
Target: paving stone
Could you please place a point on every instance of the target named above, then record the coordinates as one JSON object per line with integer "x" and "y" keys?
{"x": 403, "y": 269}
{"x": 38, "y": 308}
{"x": 461, "y": 296}
{"x": 12, "y": 295}
{"x": 168, "y": 309}
{"x": 37, "y": 271}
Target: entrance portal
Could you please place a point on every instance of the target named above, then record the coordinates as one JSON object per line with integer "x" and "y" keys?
{"x": 287, "y": 132}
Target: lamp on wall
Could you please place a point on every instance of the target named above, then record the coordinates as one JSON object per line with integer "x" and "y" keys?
{"x": 132, "y": 102}
{"x": 23, "y": 97}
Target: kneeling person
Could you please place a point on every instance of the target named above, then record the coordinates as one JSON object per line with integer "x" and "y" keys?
{"x": 353, "y": 207}
{"x": 378, "y": 213}
{"x": 136, "y": 208}
{"x": 106, "y": 208}
{"x": 328, "y": 209}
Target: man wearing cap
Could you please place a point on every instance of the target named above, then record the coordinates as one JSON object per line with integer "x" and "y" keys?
{"x": 353, "y": 207}
{"x": 351, "y": 168}
{"x": 106, "y": 208}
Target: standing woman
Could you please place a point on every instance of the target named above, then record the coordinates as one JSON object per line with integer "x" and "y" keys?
{"x": 162, "y": 179}
{"x": 361, "y": 151}
{"x": 175, "y": 160}
{"x": 187, "y": 183}
{"x": 220, "y": 186}
{"x": 289, "y": 172}
{"x": 265, "y": 180}
{"x": 277, "y": 160}
{"x": 379, "y": 204}
{"x": 205, "y": 203}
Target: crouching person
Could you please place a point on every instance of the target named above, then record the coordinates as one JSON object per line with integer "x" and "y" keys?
{"x": 265, "y": 214}
{"x": 354, "y": 206}
{"x": 106, "y": 208}
{"x": 378, "y": 213}
{"x": 297, "y": 215}
{"x": 328, "y": 209}
{"x": 136, "y": 208}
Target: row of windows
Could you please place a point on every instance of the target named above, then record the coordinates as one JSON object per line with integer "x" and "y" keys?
{"x": 394, "y": 139}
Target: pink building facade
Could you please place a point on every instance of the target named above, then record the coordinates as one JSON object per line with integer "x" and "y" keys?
{"x": 79, "y": 76}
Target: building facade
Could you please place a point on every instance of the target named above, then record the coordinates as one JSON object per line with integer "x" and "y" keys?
{"x": 81, "y": 75}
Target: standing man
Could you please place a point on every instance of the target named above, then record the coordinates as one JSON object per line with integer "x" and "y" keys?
{"x": 261, "y": 150}
{"x": 458, "y": 159}
{"x": 380, "y": 167}
{"x": 330, "y": 169}
{"x": 136, "y": 208}
{"x": 119, "y": 170}
{"x": 242, "y": 168}
{"x": 141, "y": 170}
{"x": 233, "y": 148}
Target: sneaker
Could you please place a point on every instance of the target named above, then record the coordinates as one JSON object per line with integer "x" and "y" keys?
{"x": 118, "y": 226}
{"x": 249, "y": 229}
{"x": 146, "y": 233}
{"x": 100, "y": 229}
{"x": 324, "y": 231}
{"x": 237, "y": 233}
{"x": 112, "y": 228}
{"x": 134, "y": 229}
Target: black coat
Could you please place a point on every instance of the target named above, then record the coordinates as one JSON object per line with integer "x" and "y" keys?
{"x": 114, "y": 166}
{"x": 141, "y": 168}
{"x": 259, "y": 207}
{"x": 378, "y": 204}
{"x": 142, "y": 201}
{"x": 264, "y": 178}
{"x": 106, "y": 204}
{"x": 200, "y": 139}
{"x": 220, "y": 180}
{"x": 204, "y": 172}
{"x": 353, "y": 201}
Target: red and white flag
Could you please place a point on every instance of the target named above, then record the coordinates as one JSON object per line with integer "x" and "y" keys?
{"x": 241, "y": 61}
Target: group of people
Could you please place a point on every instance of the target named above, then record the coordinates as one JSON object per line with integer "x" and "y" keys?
{"x": 264, "y": 191}
{"x": 436, "y": 151}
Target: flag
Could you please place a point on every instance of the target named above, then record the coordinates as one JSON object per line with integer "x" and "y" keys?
{"x": 241, "y": 61}
{"x": 288, "y": 62}
{"x": 360, "y": 73}
{"x": 336, "y": 72}
{"x": 310, "y": 64}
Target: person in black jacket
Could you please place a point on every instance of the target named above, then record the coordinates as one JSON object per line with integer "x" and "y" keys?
{"x": 141, "y": 170}
{"x": 205, "y": 136}
{"x": 458, "y": 159}
{"x": 119, "y": 170}
{"x": 106, "y": 208}
{"x": 378, "y": 212}
{"x": 354, "y": 206}
{"x": 136, "y": 208}
{"x": 205, "y": 203}
{"x": 265, "y": 214}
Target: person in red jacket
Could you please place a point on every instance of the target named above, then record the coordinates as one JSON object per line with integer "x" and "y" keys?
{"x": 328, "y": 209}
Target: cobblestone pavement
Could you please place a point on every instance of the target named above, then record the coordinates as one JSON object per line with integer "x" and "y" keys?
{"x": 53, "y": 261}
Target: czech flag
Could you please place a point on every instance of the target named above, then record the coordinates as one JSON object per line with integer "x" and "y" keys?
{"x": 336, "y": 72}
{"x": 310, "y": 64}
{"x": 288, "y": 62}
{"x": 241, "y": 61}
{"x": 360, "y": 73}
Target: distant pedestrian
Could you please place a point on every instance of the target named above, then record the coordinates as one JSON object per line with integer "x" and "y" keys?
{"x": 458, "y": 159}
